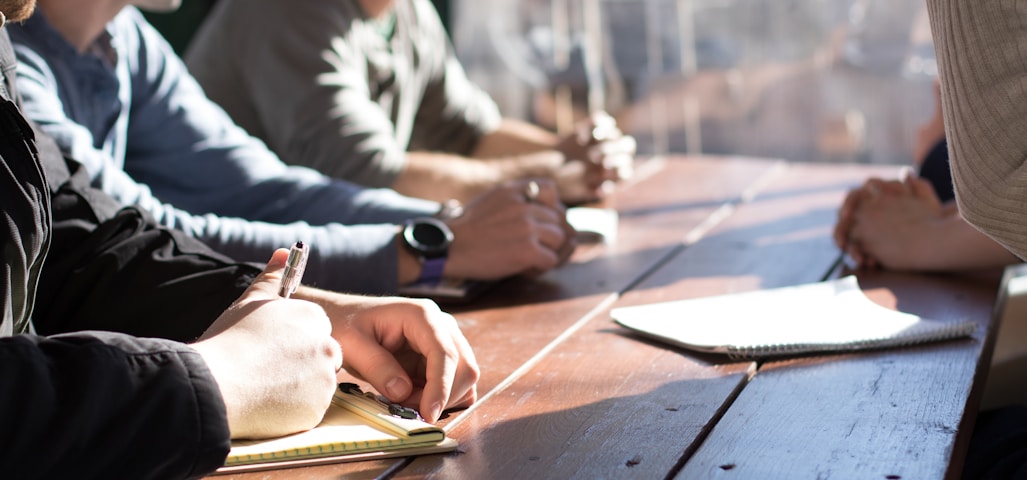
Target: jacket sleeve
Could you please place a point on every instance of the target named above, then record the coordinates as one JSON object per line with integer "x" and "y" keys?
{"x": 106, "y": 405}
{"x": 455, "y": 113}
{"x": 111, "y": 268}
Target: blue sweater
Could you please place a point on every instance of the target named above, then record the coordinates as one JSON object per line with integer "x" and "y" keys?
{"x": 131, "y": 113}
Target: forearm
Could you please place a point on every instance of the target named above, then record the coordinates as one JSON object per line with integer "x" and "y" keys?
{"x": 980, "y": 48}
{"x": 83, "y": 287}
{"x": 441, "y": 176}
{"x": 150, "y": 408}
{"x": 514, "y": 137}
{"x": 955, "y": 245}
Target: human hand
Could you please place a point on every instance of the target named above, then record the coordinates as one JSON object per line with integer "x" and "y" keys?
{"x": 597, "y": 154}
{"x": 893, "y": 225}
{"x": 274, "y": 359}
{"x": 502, "y": 233}
{"x": 842, "y": 234}
{"x": 407, "y": 349}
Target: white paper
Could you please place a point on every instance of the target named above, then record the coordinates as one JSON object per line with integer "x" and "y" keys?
{"x": 824, "y": 316}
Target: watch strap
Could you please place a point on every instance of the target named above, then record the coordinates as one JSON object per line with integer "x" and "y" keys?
{"x": 431, "y": 270}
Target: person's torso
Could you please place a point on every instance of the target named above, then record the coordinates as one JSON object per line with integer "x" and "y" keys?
{"x": 94, "y": 87}
{"x": 24, "y": 206}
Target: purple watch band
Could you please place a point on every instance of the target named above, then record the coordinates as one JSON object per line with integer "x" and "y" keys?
{"x": 431, "y": 271}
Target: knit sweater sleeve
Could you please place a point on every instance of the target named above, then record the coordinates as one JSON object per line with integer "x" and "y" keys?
{"x": 982, "y": 55}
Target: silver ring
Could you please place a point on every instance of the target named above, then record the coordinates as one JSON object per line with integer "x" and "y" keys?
{"x": 531, "y": 192}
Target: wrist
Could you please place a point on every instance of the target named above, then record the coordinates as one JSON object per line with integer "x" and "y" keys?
{"x": 542, "y": 163}
{"x": 408, "y": 265}
{"x": 428, "y": 239}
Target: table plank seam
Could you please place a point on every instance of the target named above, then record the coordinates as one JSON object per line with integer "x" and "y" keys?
{"x": 694, "y": 235}
{"x": 714, "y": 420}
{"x": 535, "y": 359}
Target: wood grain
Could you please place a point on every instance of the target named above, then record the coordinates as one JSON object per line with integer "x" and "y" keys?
{"x": 895, "y": 414}
{"x": 565, "y": 393}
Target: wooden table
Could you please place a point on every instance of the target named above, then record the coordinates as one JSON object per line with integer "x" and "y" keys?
{"x": 565, "y": 393}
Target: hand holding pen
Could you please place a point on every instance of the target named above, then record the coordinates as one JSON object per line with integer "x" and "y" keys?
{"x": 276, "y": 361}
{"x": 294, "y": 267}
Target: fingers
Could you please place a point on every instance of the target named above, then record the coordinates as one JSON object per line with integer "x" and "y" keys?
{"x": 845, "y": 216}
{"x": 922, "y": 188}
{"x": 870, "y": 191}
{"x": 550, "y": 228}
{"x": 451, "y": 373}
{"x": 605, "y": 147}
{"x": 555, "y": 237}
{"x": 414, "y": 353}
{"x": 265, "y": 286}
{"x": 516, "y": 228}
{"x": 542, "y": 191}
{"x": 600, "y": 126}
{"x": 369, "y": 360}
{"x": 614, "y": 153}
{"x": 570, "y": 243}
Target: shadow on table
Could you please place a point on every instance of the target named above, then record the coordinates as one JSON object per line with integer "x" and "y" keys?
{"x": 611, "y": 272}
{"x": 617, "y": 432}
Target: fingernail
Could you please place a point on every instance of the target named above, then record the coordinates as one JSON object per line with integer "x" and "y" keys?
{"x": 436, "y": 412}
{"x": 395, "y": 389}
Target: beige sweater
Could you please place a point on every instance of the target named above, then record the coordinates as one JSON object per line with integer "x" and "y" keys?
{"x": 981, "y": 47}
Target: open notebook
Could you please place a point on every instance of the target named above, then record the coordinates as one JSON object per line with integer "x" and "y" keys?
{"x": 829, "y": 316}
{"x": 357, "y": 426}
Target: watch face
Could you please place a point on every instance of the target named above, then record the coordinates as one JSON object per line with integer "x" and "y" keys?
{"x": 428, "y": 236}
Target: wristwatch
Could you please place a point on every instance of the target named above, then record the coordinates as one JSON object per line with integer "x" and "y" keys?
{"x": 428, "y": 238}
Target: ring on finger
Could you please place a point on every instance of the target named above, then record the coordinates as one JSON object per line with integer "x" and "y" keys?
{"x": 531, "y": 192}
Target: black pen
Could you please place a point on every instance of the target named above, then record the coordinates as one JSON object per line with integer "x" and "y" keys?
{"x": 293, "y": 273}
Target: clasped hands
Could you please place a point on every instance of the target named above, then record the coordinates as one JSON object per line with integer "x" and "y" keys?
{"x": 889, "y": 223}
{"x": 597, "y": 155}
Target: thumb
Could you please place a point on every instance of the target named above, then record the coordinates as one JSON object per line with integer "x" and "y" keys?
{"x": 266, "y": 284}
{"x": 924, "y": 190}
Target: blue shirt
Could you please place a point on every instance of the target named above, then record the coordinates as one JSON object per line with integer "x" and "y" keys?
{"x": 131, "y": 113}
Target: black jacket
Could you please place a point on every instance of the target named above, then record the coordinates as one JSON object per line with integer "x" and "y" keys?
{"x": 95, "y": 381}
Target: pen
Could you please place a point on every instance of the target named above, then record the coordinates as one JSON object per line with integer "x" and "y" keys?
{"x": 294, "y": 266}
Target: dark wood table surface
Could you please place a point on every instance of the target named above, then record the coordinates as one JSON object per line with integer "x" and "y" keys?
{"x": 566, "y": 393}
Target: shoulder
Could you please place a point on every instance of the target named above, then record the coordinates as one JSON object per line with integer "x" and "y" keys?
{"x": 129, "y": 26}
{"x": 253, "y": 25}
{"x": 276, "y": 15}
{"x": 35, "y": 41}
{"x": 422, "y": 16}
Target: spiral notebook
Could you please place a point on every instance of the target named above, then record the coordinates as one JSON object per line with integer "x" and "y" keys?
{"x": 357, "y": 426}
{"x": 831, "y": 316}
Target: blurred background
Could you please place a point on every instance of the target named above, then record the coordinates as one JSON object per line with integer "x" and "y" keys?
{"x": 805, "y": 80}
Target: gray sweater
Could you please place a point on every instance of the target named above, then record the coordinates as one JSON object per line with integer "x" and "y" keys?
{"x": 329, "y": 88}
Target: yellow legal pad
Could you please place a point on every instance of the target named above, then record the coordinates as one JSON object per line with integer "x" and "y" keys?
{"x": 357, "y": 426}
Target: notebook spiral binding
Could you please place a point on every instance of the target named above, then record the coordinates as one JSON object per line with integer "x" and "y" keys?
{"x": 912, "y": 337}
